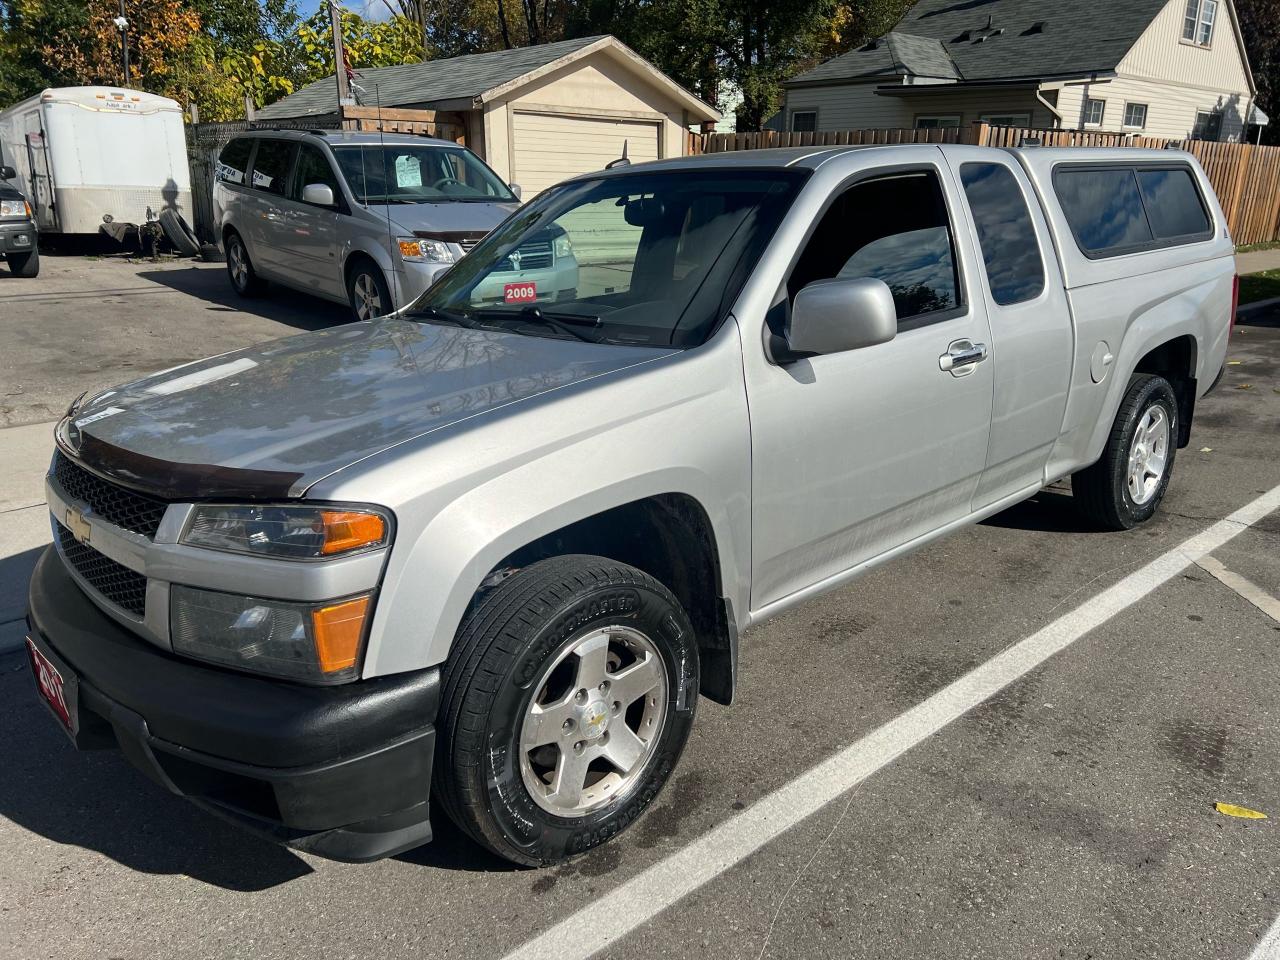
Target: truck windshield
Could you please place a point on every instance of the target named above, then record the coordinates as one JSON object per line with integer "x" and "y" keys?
{"x": 652, "y": 258}
{"x": 418, "y": 173}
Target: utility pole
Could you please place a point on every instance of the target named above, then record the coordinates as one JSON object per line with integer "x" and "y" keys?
{"x": 339, "y": 57}
{"x": 122, "y": 24}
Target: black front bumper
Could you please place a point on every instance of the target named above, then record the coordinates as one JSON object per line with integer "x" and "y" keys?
{"x": 19, "y": 237}
{"x": 343, "y": 772}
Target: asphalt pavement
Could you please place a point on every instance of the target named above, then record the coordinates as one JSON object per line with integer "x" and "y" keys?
{"x": 1070, "y": 814}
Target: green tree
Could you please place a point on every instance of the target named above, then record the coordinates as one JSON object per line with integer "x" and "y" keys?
{"x": 1260, "y": 26}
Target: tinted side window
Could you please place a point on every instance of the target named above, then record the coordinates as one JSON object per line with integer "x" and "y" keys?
{"x": 894, "y": 229}
{"x": 1006, "y": 234}
{"x": 271, "y": 165}
{"x": 313, "y": 167}
{"x": 1173, "y": 204}
{"x": 234, "y": 161}
{"x": 1104, "y": 208}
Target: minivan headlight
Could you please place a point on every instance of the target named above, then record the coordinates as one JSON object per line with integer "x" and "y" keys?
{"x": 424, "y": 251}
{"x": 318, "y": 643}
{"x": 287, "y": 531}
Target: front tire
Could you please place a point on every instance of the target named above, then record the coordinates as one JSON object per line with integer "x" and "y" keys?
{"x": 1124, "y": 488}
{"x": 367, "y": 292}
{"x": 25, "y": 264}
{"x": 567, "y": 701}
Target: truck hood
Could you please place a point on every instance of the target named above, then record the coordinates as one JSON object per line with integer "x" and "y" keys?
{"x": 452, "y": 216}
{"x": 271, "y": 420}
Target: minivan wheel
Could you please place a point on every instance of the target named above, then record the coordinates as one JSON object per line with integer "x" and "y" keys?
{"x": 368, "y": 292}
{"x": 244, "y": 279}
{"x": 1126, "y": 485}
{"x": 567, "y": 701}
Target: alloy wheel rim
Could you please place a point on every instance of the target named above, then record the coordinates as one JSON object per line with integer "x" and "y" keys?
{"x": 239, "y": 269}
{"x": 368, "y": 301}
{"x": 1148, "y": 455}
{"x": 594, "y": 721}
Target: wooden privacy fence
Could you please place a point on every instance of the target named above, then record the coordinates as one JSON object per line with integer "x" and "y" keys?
{"x": 1246, "y": 178}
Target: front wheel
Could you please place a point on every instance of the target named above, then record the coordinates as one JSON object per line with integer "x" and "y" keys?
{"x": 368, "y": 292}
{"x": 1124, "y": 488}
{"x": 567, "y": 701}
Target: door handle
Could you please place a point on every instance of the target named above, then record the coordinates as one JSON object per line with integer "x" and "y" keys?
{"x": 961, "y": 357}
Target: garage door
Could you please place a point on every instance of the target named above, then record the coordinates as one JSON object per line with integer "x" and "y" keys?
{"x": 548, "y": 148}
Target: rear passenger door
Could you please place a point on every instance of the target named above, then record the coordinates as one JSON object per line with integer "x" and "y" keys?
{"x": 1031, "y": 336}
{"x": 268, "y": 231}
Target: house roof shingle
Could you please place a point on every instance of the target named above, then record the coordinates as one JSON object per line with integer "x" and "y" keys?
{"x": 997, "y": 40}
{"x": 455, "y": 78}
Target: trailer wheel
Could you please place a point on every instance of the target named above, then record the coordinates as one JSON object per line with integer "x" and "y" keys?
{"x": 179, "y": 233}
{"x": 24, "y": 264}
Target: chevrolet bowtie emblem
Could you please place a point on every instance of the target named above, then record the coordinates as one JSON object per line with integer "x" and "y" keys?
{"x": 78, "y": 526}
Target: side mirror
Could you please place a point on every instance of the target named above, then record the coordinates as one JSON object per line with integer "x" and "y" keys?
{"x": 321, "y": 194}
{"x": 832, "y": 316}
{"x": 7, "y": 173}
{"x": 515, "y": 188}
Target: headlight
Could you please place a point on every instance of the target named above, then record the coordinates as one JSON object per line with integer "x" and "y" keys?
{"x": 287, "y": 531}
{"x": 425, "y": 251}
{"x": 316, "y": 642}
{"x": 564, "y": 247}
{"x": 15, "y": 208}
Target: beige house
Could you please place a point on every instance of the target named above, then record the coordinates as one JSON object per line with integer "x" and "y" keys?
{"x": 536, "y": 114}
{"x": 1159, "y": 68}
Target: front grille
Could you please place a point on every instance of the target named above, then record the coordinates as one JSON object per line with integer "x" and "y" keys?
{"x": 535, "y": 255}
{"x": 115, "y": 504}
{"x": 467, "y": 244}
{"x": 118, "y": 584}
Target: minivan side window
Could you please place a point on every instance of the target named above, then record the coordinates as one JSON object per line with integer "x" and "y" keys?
{"x": 234, "y": 161}
{"x": 1115, "y": 210}
{"x": 313, "y": 167}
{"x": 271, "y": 165}
{"x": 1010, "y": 248}
{"x": 894, "y": 229}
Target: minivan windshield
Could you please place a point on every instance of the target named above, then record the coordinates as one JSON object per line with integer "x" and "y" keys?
{"x": 652, "y": 258}
{"x": 418, "y": 173}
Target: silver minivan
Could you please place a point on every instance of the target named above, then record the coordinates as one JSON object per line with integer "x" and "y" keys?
{"x": 371, "y": 219}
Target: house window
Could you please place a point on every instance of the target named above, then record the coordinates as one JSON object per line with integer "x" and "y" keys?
{"x": 1198, "y": 20}
{"x": 1094, "y": 111}
{"x": 938, "y": 121}
{"x": 1208, "y": 125}
{"x": 1007, "y": 119}
{"x": 1135, "y": 115}
{"x": 804, "y": 121}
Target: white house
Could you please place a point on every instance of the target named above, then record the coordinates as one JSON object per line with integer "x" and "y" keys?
{"x": 1160, "y": 68}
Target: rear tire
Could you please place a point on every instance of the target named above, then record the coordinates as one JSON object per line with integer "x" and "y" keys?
{"x": 367, "y": 291}
{"x": 567, "y": 700}
{"x": 24, "y": 264}
{"x": 1125, "y": 487}
{"x": 244, "y": 279}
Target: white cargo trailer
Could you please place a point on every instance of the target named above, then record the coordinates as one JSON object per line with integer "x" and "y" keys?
{"x": 84, "y": 154}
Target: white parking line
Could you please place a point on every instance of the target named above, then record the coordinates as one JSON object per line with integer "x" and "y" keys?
{"x": 1246, "y": 588}
{"x": 1268, "y": 947}
{"x": 617, "y": 913}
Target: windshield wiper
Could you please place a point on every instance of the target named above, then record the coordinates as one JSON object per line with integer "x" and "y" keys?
{"x": 570, "y": 323}
{"x": 448, "y": 316}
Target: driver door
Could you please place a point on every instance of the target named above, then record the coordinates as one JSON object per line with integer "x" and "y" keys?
{"x": 313, "y": 231}
{"x": 860, "y": 452}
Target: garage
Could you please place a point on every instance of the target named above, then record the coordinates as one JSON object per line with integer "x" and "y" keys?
{"x": 540, "y": 158}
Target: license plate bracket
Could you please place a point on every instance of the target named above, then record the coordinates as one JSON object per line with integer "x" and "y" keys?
{"x": 58, "y": 686}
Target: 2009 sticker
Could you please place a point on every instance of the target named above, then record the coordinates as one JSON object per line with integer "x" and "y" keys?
{"x": 523, "y": 292}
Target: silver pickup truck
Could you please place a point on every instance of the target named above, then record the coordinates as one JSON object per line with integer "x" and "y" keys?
{"x": 490, "y": 551}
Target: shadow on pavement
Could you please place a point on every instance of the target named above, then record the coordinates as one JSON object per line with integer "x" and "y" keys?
{"x": 15, "y": 574}
{"x": 97, "y": 801}
{"x": 1047, "y": 512}
{"x": 451, "y": 849}
{"x": 279, "y": 304}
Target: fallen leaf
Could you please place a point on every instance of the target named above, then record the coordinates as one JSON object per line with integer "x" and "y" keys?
{"x": 1244, "y": 386}
{"x": 1233, "y": 363}
{"x": 1231, "y": 810}
{"x": 1206, "y": 449}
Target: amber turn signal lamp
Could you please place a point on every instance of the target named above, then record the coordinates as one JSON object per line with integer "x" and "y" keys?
{"x": 344, "y": 531}
{"x": 339, "y": 631}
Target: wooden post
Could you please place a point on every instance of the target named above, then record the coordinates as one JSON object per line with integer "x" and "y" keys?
{"x": 194, "y": 111}
{"x": 339, "y": 56}
{"x": 248, "y": 106}
{"x": 980, "y": 133}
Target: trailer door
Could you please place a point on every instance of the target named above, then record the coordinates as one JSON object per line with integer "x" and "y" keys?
{"x": 40, "y": 189}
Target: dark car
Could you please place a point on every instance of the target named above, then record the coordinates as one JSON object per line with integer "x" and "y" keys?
{"x": 18, "y": 244}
